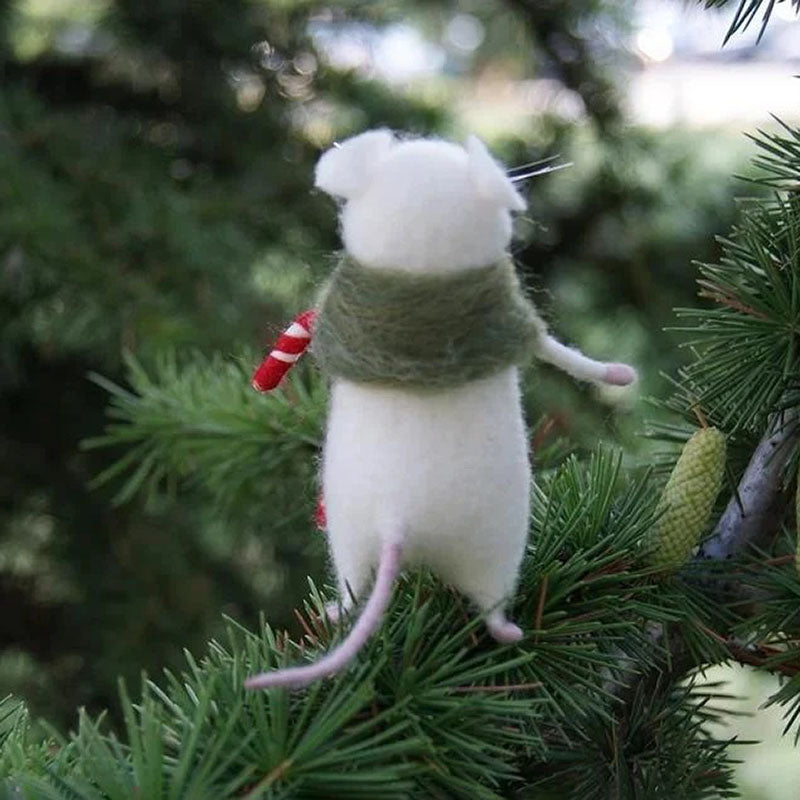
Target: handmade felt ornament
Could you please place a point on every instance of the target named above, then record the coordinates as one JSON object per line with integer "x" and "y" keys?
{"x": 421, "y": 329}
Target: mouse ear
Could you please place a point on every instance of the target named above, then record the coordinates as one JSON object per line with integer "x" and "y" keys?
{"x": 489, "y": 178}
{"x": 345, "y": 169}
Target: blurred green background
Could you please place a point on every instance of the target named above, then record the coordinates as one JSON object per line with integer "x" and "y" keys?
{"x": 156, "y": 196}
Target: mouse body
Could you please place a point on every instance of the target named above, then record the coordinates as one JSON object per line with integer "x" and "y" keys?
{"x": 416, "y": 474}
{"x": 445, "y": 473}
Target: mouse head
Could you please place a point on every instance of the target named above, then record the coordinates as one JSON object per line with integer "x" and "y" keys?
{"x": 421, "y": 205}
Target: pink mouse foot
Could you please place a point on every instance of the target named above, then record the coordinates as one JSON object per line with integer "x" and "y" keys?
{"x": 619, "y": 374}
{"x": 333, "y": 611}
{"x": 503, "y": 631}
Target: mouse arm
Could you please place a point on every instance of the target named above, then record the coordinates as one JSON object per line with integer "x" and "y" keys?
{"x": 291, "y": 344}
{"x": 574, "y": 363}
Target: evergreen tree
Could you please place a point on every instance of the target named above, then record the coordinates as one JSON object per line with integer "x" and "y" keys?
{"x": 602, "y": 698}
{"x": 155, "y": 163}
{"x": 145, "y": 196}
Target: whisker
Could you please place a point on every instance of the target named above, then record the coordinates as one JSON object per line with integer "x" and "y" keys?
{"x": 533, "y": 163}
{"x": 543, "y": 171}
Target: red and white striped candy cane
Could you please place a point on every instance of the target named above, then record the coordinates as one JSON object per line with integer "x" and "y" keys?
{"x": 289, "y": 347}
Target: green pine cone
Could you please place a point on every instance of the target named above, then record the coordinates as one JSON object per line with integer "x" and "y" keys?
{"x": 687, "y": 500}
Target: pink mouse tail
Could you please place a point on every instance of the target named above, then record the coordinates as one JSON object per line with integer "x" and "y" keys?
{"x": 367, "y": 623}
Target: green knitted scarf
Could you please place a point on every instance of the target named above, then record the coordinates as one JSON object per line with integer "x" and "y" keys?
{"x": 395, "y": 328}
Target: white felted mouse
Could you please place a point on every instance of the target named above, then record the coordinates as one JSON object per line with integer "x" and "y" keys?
{"x": 422, "y": 328}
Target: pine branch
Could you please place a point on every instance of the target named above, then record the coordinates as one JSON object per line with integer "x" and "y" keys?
{"x": 752, "y": 512}
{"x": 431, "y": 708}
{"x": 203, "y": 424}
{"x": 746, "y": 13}
{"x": 745, "y": 350}
{"x": 743, "y": 377}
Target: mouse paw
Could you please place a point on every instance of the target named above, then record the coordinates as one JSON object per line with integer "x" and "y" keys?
{"x": 619, "y": 374}
{"x": 504, "y": 631}
{"x": 333, "y": 611}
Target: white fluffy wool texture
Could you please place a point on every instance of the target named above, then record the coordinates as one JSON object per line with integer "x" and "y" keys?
{"x": 447, "y": 471}
{"x": 421, "y": 205}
